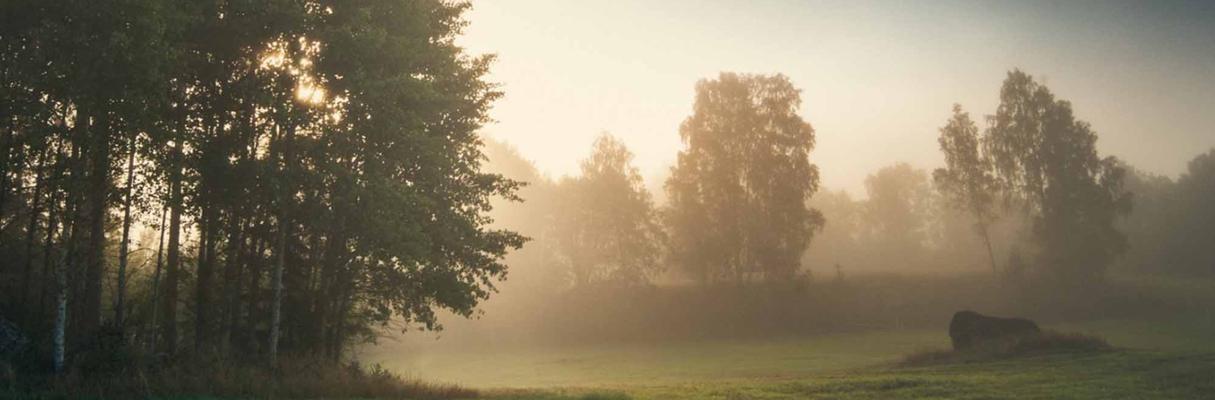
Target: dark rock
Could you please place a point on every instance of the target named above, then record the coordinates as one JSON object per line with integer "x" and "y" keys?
{"x": 968, "y": 329}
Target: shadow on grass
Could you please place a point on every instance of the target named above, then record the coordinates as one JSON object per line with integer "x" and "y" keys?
{"x": 574, "y": 394}
{"x": 219, "y": 379}
{"x": 1047, "y": 342}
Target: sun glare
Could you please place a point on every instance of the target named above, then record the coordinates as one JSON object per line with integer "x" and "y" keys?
{"x": 310, "y": 93}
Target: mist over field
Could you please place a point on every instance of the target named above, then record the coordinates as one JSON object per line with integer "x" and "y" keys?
{"x": 546, "y": 199}
{"x": 864, "y": 295}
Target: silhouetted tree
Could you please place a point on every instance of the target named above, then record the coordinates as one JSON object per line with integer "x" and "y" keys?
{"x": 967, "y": 181}
{"x": 1192, "y": 244}
{"x": 1048, "y": 160}
{"x": 332, "y": 144}
{"x": 739, "y": 188}
{"x": 897, "y": 214}
{"x": 605, "y": 224}
{"x": 839, "y": 240}
{"x": 1150, "y": 225}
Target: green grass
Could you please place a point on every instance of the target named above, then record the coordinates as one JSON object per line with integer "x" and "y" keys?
{"x": 1117, "y": 375}
{"x": 650, "y": 363}
{"x": 531, "y": 366}
{"x": 1161, "y": 359}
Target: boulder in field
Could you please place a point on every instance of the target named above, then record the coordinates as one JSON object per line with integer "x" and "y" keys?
{"x": 968, "y": 329}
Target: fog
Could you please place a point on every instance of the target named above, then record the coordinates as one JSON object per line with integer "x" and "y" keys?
{"x": 879, "y": 76}
{"x": 880, "y": 277}
{"x": 615, "y": 199}
{"x": 617, "y": 283}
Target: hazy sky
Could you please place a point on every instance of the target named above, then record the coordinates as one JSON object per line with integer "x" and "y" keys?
{"x": 877, "y": 78}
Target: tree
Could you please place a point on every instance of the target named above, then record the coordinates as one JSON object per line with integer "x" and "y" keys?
{"x": 1150, "y": 226}
{"x": 332, "y": 144}
{"x": 605, "y": 223}
{"x": 408, "y": 196}
{"x": 1191, "y": 249}
{"x": 124, "y": 249}
{"x": 838, "y": 244}
{"x": 1048, "y": 160}
{"x": 739, "y": 188}
{"x": 538, "y": 268}
{"x": 897, "y": 213}
{"x": 967, "y": 182}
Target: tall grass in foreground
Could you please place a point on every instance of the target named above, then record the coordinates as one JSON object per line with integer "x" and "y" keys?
{"x": 1047, "y": 342}
{"x": 295, "y": 379}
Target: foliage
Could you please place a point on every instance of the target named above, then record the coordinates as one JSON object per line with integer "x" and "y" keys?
{"x": 739, "y": 188}
{"x": 535, "y": 268}
{"x": 904, "y": 226}
{"x": 1191, "y": 247}
{"x": 1150, "y": 226}
{"x": 1169, "y": 229}
{"x": 839, "y": 244}
{"x": 1048, "y": 160}
{"x": 897, "y": 213}
{"x": 313, "y": 168}
{"x": 967, "y": 180}
{"x": 604, "y": 223}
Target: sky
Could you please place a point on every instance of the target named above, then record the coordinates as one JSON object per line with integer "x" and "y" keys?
{"x": 878, "y": 79}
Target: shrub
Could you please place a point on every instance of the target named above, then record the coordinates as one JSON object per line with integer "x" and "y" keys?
{"x": 299, "y": 378}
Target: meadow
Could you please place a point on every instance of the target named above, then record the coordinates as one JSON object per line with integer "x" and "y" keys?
{"x": 1156, "y": 358}
{"x": 1118, "y": 375}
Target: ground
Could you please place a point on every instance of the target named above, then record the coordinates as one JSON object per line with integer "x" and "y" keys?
{"x": 1158, "y": 359}
{"x": 1118, "y": 375}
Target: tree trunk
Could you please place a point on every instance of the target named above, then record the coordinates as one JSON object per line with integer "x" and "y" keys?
{"x": 30, "y": 234}
{"x": 208, "y": 227}
{"x": 48, "y": 259}
{"x": 6, "y": 144}
{"x": 232, "y": 273}
{"x": 70, "y": 229}
{"x": 991, "y": 256}
{"x": 156, "y": 277}
{"x": 173, "y": 262}
{"x": 124, "y": 252}
{"x": 335, "y": 254}
{"x": 76, "y": 225}
{"x": 281, "y": 245}
{"x": 255, "y": 313}
{"x": 276, "y": 302}
{"x": 98, "y": 205}
{"x": 338, "y": 338}
{"x": 60, "y": 331}
{"x": 203, "y": 282}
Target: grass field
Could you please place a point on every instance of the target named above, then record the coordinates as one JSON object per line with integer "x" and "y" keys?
{"x": 1118, "y": 375}
{"x": 653, "y": 363}
{"x": 1161, "y": 359}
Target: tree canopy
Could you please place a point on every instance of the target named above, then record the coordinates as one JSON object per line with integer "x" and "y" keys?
{"x": 605, "y": 222}
{"x": 315, "y": 165}
{"x": 739, "y": 187}
{"x": 1047, "y": 160}
{"x": 967, "y": 181}
{"x": 897, "y": 212}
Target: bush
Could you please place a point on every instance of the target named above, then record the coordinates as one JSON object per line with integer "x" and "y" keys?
{"x": 8, "y": 376}
{"x": 1046, "y": 342}
{"x": 295, "y": 378}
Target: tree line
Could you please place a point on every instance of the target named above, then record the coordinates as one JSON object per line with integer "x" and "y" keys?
{"x": 244, "y": 178}
{"x": 257, "y": 178}
{"x": 1028, "y": 196}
